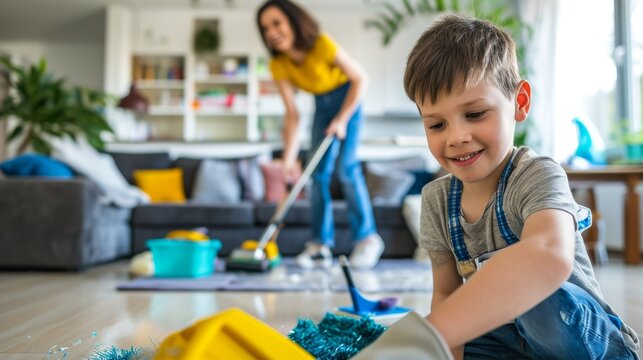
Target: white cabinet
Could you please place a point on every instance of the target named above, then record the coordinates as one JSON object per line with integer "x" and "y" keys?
{"x": 162, "y": 32}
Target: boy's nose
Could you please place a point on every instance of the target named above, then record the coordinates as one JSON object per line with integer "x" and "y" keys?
{"x": 458, "y": 134}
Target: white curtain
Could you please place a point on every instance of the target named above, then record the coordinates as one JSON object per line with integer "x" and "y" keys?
{"x": 4, "y": 90}
{"x": 542, "y": 17}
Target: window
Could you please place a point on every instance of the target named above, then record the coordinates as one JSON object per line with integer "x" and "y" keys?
{"x": 636, "y": 25}
{"x": 585, "y": 72}
{"x": 598, "y": 73}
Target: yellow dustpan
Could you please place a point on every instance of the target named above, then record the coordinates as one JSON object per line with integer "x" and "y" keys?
{"x": 231, "y": 334}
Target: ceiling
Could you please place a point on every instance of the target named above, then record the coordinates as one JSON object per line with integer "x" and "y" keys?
{"x": 84, "y": 20}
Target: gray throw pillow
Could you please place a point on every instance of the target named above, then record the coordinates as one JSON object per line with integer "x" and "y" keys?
{"x": 253, "y": 187}
{"x": 216, "y": 182}
{"x": 386, "y": 185}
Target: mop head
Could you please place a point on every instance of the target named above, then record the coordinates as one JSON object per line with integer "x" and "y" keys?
{"x": 114, "y": 353}
{"x": 336, "y": 337}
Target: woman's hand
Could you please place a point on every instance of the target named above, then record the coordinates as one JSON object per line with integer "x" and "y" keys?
{"x": 337, "y": 127}
{"x": 290, "y": 172}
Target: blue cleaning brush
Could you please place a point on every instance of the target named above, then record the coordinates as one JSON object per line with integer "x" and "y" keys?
{"x": 363, "y": 306}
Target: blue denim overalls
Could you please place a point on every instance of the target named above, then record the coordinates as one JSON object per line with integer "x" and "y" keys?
{"x": 570, "y": 324}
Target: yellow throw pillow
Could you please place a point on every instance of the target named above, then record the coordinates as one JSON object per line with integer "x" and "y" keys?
{"x": 165, "y": 185}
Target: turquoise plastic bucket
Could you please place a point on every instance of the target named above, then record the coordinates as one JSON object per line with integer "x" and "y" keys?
{"x": 183, "y": 258}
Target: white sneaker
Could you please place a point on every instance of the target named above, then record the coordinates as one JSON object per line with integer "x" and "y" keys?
{"x": 315, "y": 255}
{"x": 367, "y": 252}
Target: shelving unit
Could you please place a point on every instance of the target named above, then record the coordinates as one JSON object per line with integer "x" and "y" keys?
{"x": 160, "y": 78}
{"x": 222, "y": 98}
{"x": 200, "y": 96}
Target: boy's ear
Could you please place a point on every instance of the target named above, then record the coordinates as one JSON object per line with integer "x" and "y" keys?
{"x": 523, "y": 100}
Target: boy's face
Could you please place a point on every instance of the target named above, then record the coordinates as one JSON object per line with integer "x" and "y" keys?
{"x": 471, "y": 132}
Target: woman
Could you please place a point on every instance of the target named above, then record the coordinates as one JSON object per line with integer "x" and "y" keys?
{"x": 306, "y": 59}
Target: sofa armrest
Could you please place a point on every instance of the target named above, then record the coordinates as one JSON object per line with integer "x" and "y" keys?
{"x": 45, "y": 223}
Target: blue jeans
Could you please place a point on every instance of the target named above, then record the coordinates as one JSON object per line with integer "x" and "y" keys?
{"x": 569, "y": 324}
{"x": 360, "y": 211}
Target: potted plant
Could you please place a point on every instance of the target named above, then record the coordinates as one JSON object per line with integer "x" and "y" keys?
{"x": 633, "y": 143}
{"x": 44, "y": 108}
{"x": 629, "y": 144}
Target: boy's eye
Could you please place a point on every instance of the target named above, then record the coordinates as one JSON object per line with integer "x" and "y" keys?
{"x": 436, "y": 126}
{"x": 475, "y": 115}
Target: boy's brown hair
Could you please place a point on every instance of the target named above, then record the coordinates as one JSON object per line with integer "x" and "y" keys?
{"x": 458, "y": 51}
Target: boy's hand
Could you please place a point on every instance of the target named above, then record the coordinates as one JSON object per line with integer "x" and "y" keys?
{"x": 511, "y": 282}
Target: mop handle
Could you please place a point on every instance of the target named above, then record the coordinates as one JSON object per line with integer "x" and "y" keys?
{"x": 279, "y": 216}
{"x": 343, "y": 261}
{"x": 352, "y": 290}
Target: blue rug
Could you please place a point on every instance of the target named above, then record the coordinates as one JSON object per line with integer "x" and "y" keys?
{"x": 390, "y": 275}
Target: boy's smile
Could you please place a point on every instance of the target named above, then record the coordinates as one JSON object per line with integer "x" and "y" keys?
{"x": 471, "y": 132}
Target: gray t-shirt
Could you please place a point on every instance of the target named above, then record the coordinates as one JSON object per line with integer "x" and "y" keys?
{"x": 536, "y": 183}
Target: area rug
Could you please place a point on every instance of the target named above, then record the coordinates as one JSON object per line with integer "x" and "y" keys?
{"x": 390, "y": 275}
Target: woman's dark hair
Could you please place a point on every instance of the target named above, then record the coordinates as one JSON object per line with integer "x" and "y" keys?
{"x": 305, "y": 28}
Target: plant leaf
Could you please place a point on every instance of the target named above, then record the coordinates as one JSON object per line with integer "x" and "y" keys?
{"x": 409, "y": 8}
{"x": 39, "y": 145}
{"x": 441, "y": 5}
{"x": 15, "y": 132}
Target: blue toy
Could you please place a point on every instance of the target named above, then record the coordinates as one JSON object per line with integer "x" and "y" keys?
{"x": 590, "y": 143}
{"x": 362, "y": 306}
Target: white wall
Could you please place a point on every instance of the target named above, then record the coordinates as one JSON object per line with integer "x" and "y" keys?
{"x": 80, "y": 63}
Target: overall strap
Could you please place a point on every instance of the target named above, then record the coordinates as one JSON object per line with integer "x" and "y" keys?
{"x": 455, "y": 227}
{"x": 505, "y": 231}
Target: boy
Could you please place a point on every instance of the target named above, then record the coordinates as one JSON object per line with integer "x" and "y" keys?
{"x": 536, "y": 295}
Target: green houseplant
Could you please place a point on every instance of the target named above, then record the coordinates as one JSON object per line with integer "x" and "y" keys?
{"x": 45, "y": 108}
{"x": 630, "y": 143}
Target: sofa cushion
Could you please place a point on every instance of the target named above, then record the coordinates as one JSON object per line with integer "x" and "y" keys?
{"x": 276, "y": 186}
{"x": 386, "y": 215}
{"x": 252, "y": 182}
{"x": 216, "y": 182}
{"x": 299, "y": 213}
{"x": 421, "y": 178}
{"x": 36, "y": 165}
{"x": 128, "y": 162}
{"x": 415, "y": 165}
{"x": 162, "y": 185}
{"x": 99, "y": 168}
{"x": 194, "y": 215}
{"x": 190, "y": 168}
{"x": 386, "y": 184}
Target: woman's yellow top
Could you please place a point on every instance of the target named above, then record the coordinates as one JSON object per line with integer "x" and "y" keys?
{"x": 317, "y": 74}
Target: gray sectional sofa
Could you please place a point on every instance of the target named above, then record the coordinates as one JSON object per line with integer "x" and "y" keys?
{"x": 64, "y": 224}
{"x": 232, "y": 223}
{"x": 59, "y": 224}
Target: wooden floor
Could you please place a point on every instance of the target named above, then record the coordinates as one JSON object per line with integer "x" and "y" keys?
{"x": 54, "y": 315}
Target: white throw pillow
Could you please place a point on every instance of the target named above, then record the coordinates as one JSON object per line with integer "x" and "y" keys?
{"x": 411, "y": 210}
{"x": 99, "y": 168}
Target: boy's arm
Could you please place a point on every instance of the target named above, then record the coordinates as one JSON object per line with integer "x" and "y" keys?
{"x": 511, "y": 282}
{"x": 445, "y": 281}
